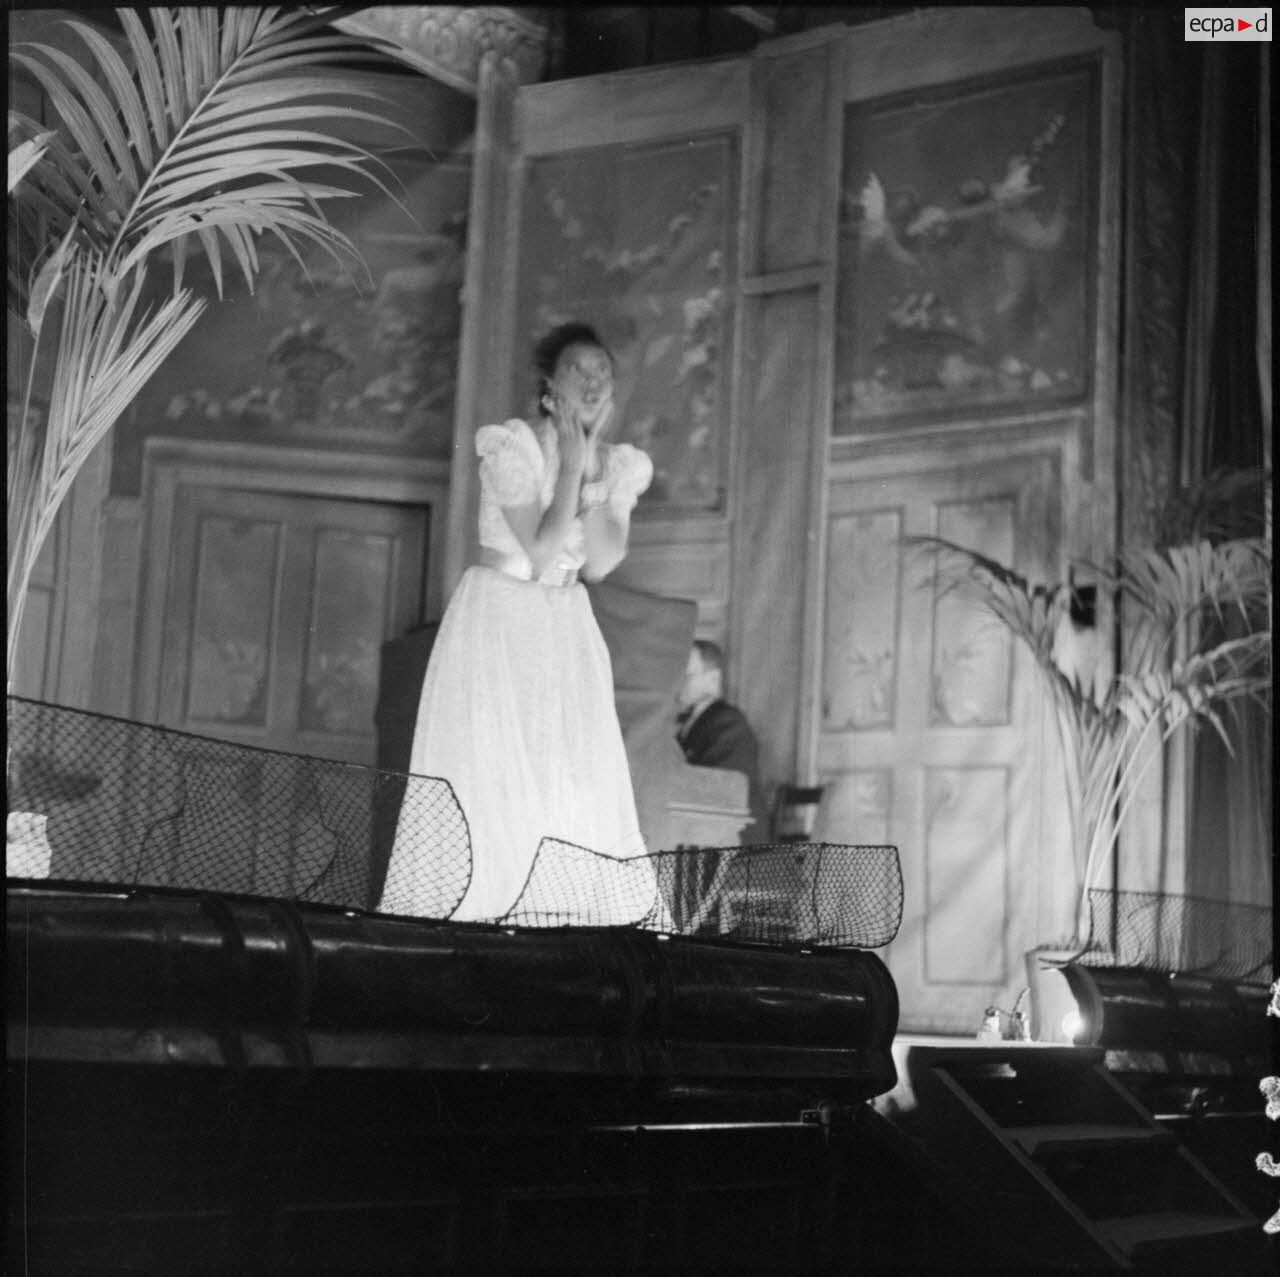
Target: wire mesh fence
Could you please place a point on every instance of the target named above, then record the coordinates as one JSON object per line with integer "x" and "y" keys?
{"x": 847, "y": 896}
{"x": 97, "y": 799}
{"x": 103, "y": 799}
{"x": 1190, "y": 935}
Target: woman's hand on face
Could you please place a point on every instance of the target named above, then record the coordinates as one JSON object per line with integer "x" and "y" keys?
{"x": 570, "y": 436}
{"x": 597, "y": 422}
{"x": 594, "y": 429}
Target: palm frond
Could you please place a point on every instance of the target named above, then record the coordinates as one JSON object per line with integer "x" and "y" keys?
{"x": 75, "y": 116}
{"x": 1031, "y": 613}
{"x": 1176, "y": 583}
{"x": 87, "y": 169}
{"x": 105, "y": 354}
{"x": 200, "y": 114}
{"x": 46, "y": 283}
{"x": 1173, "y": 679}
{"x": 124, "y": 90}
{"x": 172, "y": 72}
{"x": 24, "y": 156}
{"x": 103, "y": 113}
{"x": 53, "y": 184}
{"x": 150, "y": 77}
{"x": 180, "y": 140}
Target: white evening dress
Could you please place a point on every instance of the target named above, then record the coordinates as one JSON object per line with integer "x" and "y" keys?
{"x": 517, "y": 714}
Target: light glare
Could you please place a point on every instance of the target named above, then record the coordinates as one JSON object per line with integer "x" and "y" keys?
{"x": 1072, "y": 1026}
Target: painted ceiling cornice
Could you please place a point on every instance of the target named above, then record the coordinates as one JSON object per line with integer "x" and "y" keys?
{"x": 447, "y": 42}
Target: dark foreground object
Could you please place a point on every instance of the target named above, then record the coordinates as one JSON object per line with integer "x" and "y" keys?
{"x": 208, "y": 1084}
{"x": 1072, "y": 1170}
{"x": 204, "y": 1084}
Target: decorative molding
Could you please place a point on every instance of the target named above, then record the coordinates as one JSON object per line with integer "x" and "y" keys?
{"x": 448, "y": 42}
{"x": 961, "y": 437}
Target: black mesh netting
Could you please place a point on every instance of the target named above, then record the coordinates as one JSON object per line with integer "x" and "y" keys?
{"x": 1187, "y": 934}
{"x": 99, "y": 799}
{"x": 783, "y": 893}
{"x": 127, "y": 803}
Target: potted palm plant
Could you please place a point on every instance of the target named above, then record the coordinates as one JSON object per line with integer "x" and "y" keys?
{"x": 1196, "y": 618}
{"x": 200, "y": 132}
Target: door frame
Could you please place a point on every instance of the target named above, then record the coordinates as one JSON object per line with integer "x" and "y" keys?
{"x": 170, "y": 463}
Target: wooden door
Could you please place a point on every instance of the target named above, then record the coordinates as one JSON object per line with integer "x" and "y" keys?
{"x": 276, "y": 609}
{"x": 934, "y": 732}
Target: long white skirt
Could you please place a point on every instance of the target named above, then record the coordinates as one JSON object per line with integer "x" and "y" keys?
{"x": 517, "y": 714}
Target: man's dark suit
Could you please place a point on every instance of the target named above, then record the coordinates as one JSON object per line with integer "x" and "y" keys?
{"x": 721, "y": 737}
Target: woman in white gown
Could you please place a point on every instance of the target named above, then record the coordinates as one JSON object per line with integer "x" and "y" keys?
{"x": 517, "y": 708}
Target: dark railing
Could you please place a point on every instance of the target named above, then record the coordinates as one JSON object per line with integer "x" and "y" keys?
{"x": 97, "y": 799}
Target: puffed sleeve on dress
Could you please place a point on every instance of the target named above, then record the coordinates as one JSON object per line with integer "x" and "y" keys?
{"x": 628, "y": 472}
{"x": 510, "y": 462}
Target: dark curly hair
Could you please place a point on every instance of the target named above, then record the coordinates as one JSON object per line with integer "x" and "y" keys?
{"x": 547, "y": 352}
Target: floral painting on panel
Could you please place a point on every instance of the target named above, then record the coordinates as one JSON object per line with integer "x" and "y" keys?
{"x": 638, "y": 242}
{"x": 324, "y": 355}
{"x": 967, "y": 250}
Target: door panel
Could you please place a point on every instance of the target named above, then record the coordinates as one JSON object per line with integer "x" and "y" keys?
{"x": 933, "y": 728}
{"x": 352, "y": 602}
{"x": 233, "y": 586}
{"x": 276, "y": 612}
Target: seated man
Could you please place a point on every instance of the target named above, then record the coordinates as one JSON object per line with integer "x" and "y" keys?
{"x": 714, "y": 733}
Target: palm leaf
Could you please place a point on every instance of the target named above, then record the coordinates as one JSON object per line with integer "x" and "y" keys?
{"x": 202, "y": 103}
{"x": 48, "y": 180}
{"x": 24, "y": 156}
{"x": 46, "y": 283}
{"x": 89, "y": 168}
{"x": 1172, "y": 680}
{"x": 105, "y": 354}
{"x": 1031, "y": 613}
{"x": 172, "y": 74}
{"x": 78, "y": 121}
{"x": 1176, "y": 583}
{"x": 199, "y": 30}
{"x": 270, "y": 207}
{"x": 103, "y": 114}
{"x": 123, "y": 88}
{"x": 272, "y": 115}
{"x": 150, "y": 77}
{"x": 181, "y": 140}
